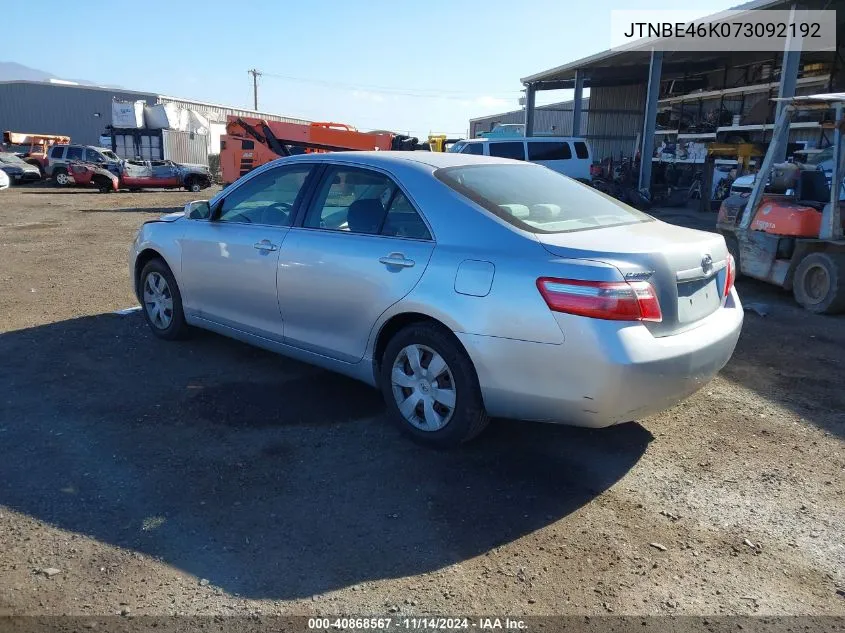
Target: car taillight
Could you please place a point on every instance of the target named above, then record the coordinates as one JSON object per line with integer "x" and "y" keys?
{"x": 613, "y": 300}
{"x": 730, "y": 276}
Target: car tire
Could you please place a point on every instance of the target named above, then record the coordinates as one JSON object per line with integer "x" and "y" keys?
{"x": 193, "y": 185}
{"x": 819, "y": 283}
{"x": 60, "y": 176}
{"x": 443, "y": 410}
{"x": 104, "y": 185}
{"x": 161, "y": 301}
{"x": 733, "y": 248}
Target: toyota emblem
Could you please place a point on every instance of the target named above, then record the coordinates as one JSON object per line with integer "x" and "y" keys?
{"x": 707, "y": 263}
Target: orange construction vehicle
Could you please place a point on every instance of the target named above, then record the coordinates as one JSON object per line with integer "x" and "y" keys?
{"x": 38, "y": 145}
{"x": 249, "y": 143}
{"x": 789, "y": 230}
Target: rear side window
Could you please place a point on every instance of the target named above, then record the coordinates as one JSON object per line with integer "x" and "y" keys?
{"x": 581, "y": 149}
{"x": 403, "y": 220}
{"x": 511, "y": 149}
{"x": 358, "y": 200}
{"x": 548, "y": 150}
{"x": 536, "y": 199}
{"x": 57, "y": 152}
{"x": 74, "y": 153}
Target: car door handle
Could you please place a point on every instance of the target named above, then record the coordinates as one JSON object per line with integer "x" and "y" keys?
{"x": 396, "y": 259}
{"x": 265, "y": 245}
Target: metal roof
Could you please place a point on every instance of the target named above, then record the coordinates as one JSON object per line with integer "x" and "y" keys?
{"x": 142, "y": 95}
{"x": 629, "y": 65}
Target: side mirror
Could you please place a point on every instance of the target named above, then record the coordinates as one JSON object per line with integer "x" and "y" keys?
{"x": 198, "y": 210}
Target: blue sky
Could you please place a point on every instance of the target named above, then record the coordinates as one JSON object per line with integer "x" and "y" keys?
{"x": 409, "y": 66}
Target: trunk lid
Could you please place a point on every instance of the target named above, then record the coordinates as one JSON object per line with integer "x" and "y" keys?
{"x": 685, "y": 266}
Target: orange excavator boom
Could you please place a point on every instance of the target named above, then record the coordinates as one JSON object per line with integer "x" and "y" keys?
{"x": 251, "y": 142}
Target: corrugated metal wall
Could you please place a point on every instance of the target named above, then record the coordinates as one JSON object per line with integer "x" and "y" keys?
{"x": 554, "y": 119}
{"x": 612, "y": 120}
{"x": 43, "y": 108}
{"x": 184, "y": 147}
{"x": 46, "y": 108}
{"x": 616, "y": 120}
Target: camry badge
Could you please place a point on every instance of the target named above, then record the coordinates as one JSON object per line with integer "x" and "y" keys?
{"x": 643, "y": 276}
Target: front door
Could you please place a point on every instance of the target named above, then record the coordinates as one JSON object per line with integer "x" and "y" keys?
{"x": 229, "y": 262}
{"x": 361, "y": 247}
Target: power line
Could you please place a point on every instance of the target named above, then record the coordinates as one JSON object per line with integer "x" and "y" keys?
{"x": 429, "y": 93}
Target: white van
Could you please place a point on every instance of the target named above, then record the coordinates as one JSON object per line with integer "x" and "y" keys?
{"x": 570, "y": 156}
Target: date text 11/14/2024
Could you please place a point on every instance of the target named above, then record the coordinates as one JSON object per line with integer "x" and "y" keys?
{"x": 421, "y": 623}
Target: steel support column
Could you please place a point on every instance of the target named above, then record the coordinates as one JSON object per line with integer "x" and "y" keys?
{"x": 576, "y": 103}
{"x": 530, "y": 91}
{"x": 788, "y": 75}
{"x": 650, "y": 120}
{"x": 831, "y": 228}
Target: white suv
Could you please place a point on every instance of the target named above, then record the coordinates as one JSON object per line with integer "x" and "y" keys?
{"x": 60, "y": 155}
{"x": 568, "y": 155}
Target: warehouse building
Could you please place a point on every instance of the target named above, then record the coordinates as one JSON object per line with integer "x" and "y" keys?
{"x": 83, "y": 112}
{"x": 669, "y": 106}
{"x": 550, "y": 120}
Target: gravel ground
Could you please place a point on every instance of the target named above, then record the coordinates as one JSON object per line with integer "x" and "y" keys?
{"x": 146, "y": 477}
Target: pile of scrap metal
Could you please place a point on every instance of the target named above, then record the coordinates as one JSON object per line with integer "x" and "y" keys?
{"x": 619, "y": 180}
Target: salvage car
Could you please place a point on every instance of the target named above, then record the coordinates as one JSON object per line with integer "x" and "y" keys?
{"x": 462, "y": 286}
{"x": 4, "y": 180}
{"x": 17, "y": 169}
{"x": 163, "y": 174}
{"x": 90, "y": 174}
{"x": 61, "y": 155}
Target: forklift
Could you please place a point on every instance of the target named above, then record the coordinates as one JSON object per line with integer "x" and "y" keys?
{"x": 788, "y": 231}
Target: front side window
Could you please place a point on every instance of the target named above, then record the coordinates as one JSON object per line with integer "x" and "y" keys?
{"x": 537, "y": 199}
{"x": 549, "y": 150}
{"x": 473, "y": 148}
{"x": 93, "y": 156}
{"x": 266, "y": 199}
{"x": 510, "y": 149}
{"x": 57, "y": 152}
{"x": 74, "y": 153}
{"x": 362, "y": 201}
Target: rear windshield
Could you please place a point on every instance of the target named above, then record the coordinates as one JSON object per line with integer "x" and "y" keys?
{"x": 537, "y": 199}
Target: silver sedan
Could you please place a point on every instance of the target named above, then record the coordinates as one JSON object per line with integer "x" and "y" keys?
{"x": 463, "y": 287}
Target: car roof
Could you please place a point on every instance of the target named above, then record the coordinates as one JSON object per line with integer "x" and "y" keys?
{"x": 436, "y": 160}
{"x": 489, "y": 139}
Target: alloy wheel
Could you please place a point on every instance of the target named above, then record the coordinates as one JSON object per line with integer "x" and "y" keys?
{"x": 158, "y": 300}
{"x": 423, "y": 387}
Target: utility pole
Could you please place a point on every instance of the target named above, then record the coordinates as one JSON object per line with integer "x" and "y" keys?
{"x": 255, "y": 75}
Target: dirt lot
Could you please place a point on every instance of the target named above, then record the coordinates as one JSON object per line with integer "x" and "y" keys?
{"x": 210, "y": 477}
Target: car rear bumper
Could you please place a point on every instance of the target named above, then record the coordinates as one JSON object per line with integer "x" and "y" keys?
{"x": 606, "y": 372}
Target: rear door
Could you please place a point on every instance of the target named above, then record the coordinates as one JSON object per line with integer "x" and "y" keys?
{"x": 361, "y": 247}
{"x": 165, "y": 174}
